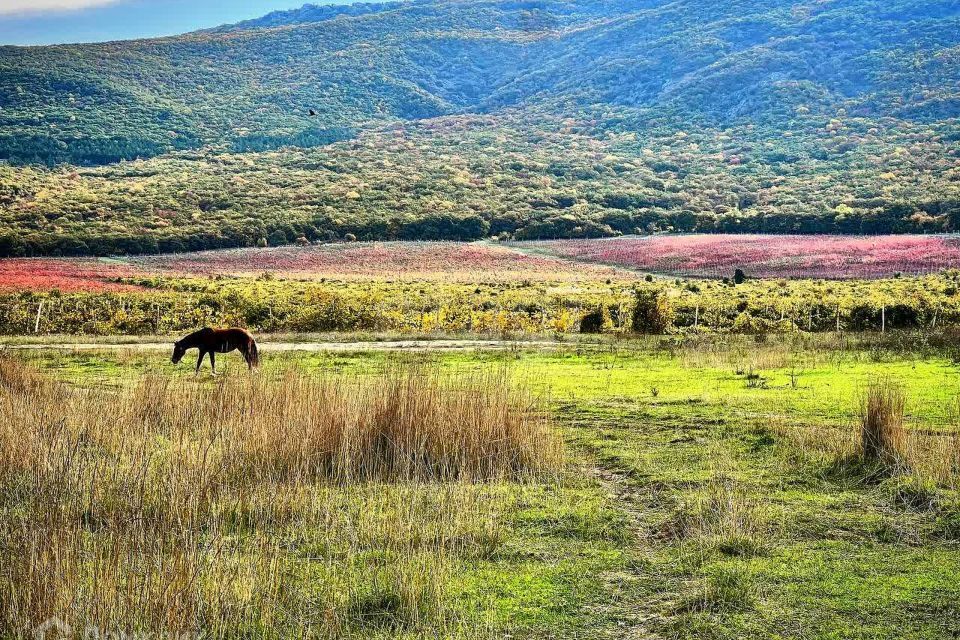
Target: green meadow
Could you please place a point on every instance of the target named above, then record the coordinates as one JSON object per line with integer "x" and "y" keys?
{"x": 707, "y": 490}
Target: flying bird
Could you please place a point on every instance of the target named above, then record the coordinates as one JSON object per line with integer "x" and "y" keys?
{"x": 312, "y": 112}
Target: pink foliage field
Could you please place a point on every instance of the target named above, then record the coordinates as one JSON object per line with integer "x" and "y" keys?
{"x": 711, "y": 256}
{"x": 64, "y": 274}
{"x": 766, "y": 256}
{"x": 385, "y": 260}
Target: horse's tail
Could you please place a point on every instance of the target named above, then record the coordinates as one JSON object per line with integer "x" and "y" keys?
{"x": 254, "y": 354}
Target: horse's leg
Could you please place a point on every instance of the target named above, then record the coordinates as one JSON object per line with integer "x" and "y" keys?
{"x": 200, "y": 361}
{"x": 213, "y": 363}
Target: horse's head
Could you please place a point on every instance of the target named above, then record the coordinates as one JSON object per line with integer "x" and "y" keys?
{"x": 178, "y": 351}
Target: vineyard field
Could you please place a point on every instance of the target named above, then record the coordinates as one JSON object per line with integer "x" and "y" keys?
{"x": 617, "y": 259}
{"x": 765, "y": 256}
{"x": 460, "y": 261}
{"x": 70, "y": 275}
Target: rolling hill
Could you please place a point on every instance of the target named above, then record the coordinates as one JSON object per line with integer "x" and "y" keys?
{"x": 532, "y": 118}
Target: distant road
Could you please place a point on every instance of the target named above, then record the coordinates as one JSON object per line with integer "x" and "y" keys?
{"x": 387, "y": 345}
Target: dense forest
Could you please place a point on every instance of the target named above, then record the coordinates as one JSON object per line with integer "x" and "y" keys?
{"x": 474, "y": 118}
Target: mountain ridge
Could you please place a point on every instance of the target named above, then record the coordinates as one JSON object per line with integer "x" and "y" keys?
{"x": 562, "y": 119}
{"x": 356, "y": 64}
{"x": 307, "y": 13}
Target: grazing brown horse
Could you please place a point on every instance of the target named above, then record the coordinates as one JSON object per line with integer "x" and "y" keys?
{"x": 212, "y": 341}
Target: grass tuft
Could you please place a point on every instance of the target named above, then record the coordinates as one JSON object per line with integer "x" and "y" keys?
{"x": 728, "y": 589}
{"x": 916, "y": 493}
{"x": 724, "y": 516}
{"x": 882, "y": 434}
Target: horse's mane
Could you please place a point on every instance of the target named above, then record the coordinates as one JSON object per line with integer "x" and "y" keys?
{"x": 193, "y": 337}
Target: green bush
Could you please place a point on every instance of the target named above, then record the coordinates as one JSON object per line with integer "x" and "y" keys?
{"x": 653, "y": 312}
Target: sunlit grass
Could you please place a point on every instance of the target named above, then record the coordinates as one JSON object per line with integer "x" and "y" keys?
{"x": 736, "y": 499}
{"x": 328, "y": 506}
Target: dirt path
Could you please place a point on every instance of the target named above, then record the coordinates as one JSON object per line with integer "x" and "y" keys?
{"x": 641, "y": 594}
{"x": 389, "y": 345}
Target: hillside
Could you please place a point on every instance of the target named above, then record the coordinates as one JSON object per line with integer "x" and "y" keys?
{"x": 252, "y": 85}
{"x": 536, "y": 119}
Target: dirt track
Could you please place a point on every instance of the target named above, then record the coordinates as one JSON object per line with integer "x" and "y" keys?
{"x": 393, "y": 345}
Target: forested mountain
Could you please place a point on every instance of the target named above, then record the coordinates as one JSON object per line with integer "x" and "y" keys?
{"x": 817, "y": 115}
{"x": 252, "y": 85}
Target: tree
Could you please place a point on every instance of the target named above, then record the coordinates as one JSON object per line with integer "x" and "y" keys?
{"x": 11, "y": 246}
{"x": 653, "y": 312}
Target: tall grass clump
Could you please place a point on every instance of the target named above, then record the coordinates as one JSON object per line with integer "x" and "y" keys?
{"x": 314, "y": 506}
{"x": 882, "y": 433}
{"x": 881, "y": 444}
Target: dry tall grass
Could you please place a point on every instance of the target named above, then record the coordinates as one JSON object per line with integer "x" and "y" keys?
{"x": 882, "y": 434}
{"x": 254, "y": 506}
{"x": 884, "y": 440}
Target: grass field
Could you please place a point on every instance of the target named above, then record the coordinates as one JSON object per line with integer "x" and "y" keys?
{"x": 707, "y": 489}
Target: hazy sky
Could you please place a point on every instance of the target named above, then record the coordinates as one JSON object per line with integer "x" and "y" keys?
{"x": 59, "y": 21}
